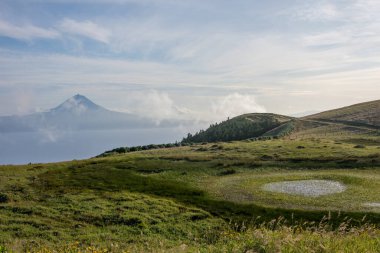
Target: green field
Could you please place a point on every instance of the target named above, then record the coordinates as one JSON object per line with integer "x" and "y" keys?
{"x": 205, "y": 197}
{"x": 197, "y": 196}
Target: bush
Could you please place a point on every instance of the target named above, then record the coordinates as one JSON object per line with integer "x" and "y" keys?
{"x": 3, "y": 249}
{"x": 3, "y": 199}
{"x": 266, "y": 157}
{"x": 227, "y": 172}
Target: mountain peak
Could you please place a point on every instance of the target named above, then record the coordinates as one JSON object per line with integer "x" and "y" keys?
{"x": 79, "y": 97}
{"x": 77, "y": 104}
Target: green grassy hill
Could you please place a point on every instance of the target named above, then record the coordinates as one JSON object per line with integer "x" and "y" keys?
{"x": 207, "y": 197}
{"x": 201, "y": 197}
{"x": 240, "y": 128}
{"x": 356, "y": 119}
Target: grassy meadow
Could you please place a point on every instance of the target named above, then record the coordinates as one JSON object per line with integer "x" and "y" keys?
{"x": 198, "y": 198}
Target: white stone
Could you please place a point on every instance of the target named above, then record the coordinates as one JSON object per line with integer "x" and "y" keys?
{"x": 372, "y": 204}
{"x": 308, "y": 188}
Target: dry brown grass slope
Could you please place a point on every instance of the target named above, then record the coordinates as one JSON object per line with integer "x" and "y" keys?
{"x": 359, "y": 119}
{"x": 367, "y": 113}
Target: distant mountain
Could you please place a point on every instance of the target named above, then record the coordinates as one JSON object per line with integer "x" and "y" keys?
{"x": 77, "y": 104}
{"x": 356, "y": 119}
{"x": 77, "y": 113}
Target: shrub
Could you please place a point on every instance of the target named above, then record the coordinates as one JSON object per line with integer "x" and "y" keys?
{"x": 227, "y": 172}
{"x": 3, "y": 249}
{"x": 3, "y": 199}
{"x": 266, "y": 157}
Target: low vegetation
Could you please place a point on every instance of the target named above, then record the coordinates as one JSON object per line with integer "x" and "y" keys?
{"x": 203, "y": 196}
{"x": 122, "y": 150}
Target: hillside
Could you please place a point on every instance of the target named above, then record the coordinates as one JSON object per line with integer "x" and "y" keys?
{"x": 356, "y": 119}
{"x": 240, "y": 128}
{"x": 342, "y": 123}
{"x": 364, "y": 114}
{"x": 206, "y": 198}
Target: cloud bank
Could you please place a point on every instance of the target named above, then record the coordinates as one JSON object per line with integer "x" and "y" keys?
{"x": 26, "y": 31}
{"x": 235, "y": 104}
{"x": 291, "y": 56}
{"x": 86, "y": 29}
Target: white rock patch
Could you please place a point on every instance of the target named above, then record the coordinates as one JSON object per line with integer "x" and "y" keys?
{"x": 372, "y": 204}
{"x": 308, "y": 188}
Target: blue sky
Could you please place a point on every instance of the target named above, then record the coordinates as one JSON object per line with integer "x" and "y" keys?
{"x": 200, "y": 59}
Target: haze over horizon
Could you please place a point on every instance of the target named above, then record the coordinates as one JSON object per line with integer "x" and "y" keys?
{"x": 189, "y": 59}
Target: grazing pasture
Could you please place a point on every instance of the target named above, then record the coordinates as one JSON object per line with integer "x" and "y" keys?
{"x": 203, "y": 196}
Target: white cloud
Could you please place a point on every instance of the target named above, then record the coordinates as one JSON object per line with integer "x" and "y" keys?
{"x": 105, "y": 1}
{"x": 17, "y": 101}
{"x": 160, "y": 105}
{"x": 86, "y": 29}
{"x": 233, "y": 105}
{"x": 50, "y": 134}
{"x": 26, "y": 32}
{"x": 328, "y": 38}
{"x": 364, "y": 10}
{"x": 349, "y": 12}
{"x": 156, "y": 105}
{"x": 153, "y": 104}
{"x": 319, "y": 11}
{"x": 334, "y": 56}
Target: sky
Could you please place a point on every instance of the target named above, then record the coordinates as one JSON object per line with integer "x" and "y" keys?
{"x": 191, "y": 58}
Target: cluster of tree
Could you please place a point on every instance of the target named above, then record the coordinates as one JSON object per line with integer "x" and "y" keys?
{"x": 239, "y": 128}
{"x": 140, "y": 148}
{"x": 252, "y": 127}
{"x": 263, "y": 138}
